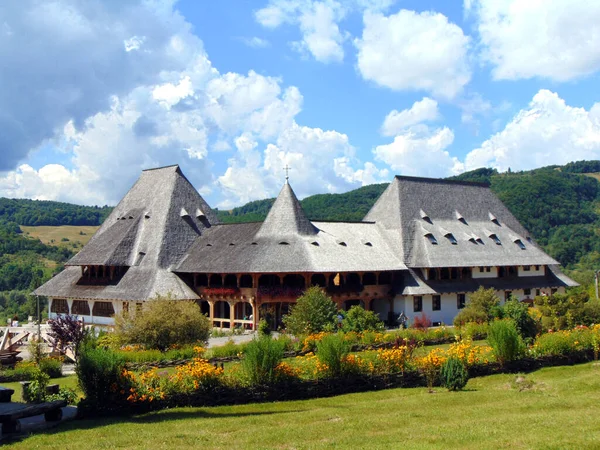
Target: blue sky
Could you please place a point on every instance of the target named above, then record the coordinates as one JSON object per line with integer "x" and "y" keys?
{"x": 347, "y": 93}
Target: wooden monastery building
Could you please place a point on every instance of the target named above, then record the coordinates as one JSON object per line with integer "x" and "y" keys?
{"x": 423, "y": 247}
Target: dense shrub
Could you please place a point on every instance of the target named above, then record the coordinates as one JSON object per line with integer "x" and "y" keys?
{"x": 264, "y": 329}
{"x": 35, "y": 391}
{"x": 505, "y": 340}
{"x": 482, "y": 306}
{"x": 313, "y": 312}
{"x": 51, "y": 366}
{"x": 332, "y": 351}
{"x": 526, "y": 325}
{"x": 454, "y": 374}
{"x": 562, "y": 311}
{"x": 163, "y": 323}
{"x": 358, "y": 319}
{"x": 474, "y": 331}
{"x": 261, "y": 358}
{"x": 140, "y": 356}
{"x": 99, "y": 371}
{"x": 421, "y": 322}
{"x": 563, "y": 343}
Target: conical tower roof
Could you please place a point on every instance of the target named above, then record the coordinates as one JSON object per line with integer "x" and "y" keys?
{"x": 286, "y": 217}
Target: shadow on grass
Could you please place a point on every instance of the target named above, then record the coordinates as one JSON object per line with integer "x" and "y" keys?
{"x": 147, "y": 418}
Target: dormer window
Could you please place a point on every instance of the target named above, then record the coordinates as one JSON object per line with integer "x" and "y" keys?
{"x": 231, "y": 244}
{"x": 342, "y": 243}
{"x": 479, "y": 241}
{"x": 529, "y": 239}
{"x": 519, "y": 242}
{"x": 451, "y": 238}
{"x": 431, "y": 239}
{"x": 284, "y": 243}
{"x": 493, "y": 219}
{"x": 183, "y": 213}
{"x": 460, "y": 218}
{"x": 209, "y": 245}
{"x": 200, "y": 215}
{"x": 368, "y": 244}
{"x": 315, "y": 243}
{"x": 425, "y": 216}
{"x": 473, "y": 241}
{"x": 254, "y": 243}
{"x": 496, "y": 239}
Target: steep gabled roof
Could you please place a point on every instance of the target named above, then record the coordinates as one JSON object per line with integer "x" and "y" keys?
{"x": 145, "y": 232}
{"x": 286, "y": 217}
{"x": 400, "y": 210}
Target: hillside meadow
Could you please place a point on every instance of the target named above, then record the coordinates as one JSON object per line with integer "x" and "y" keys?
{"x": 56, "y": 235}
{"x": 551, "y": 408}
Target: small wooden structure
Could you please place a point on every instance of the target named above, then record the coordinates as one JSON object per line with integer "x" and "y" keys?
{"x": 10, "y": 413}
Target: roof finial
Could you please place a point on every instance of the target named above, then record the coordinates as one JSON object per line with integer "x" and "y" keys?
{"x": 287, "y": 174}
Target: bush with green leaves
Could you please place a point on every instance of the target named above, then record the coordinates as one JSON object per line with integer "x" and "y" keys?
{"x": 505, "y": 340}
{"x": 358, "y": 319}
{"x": 482, "y": 306}
{"x": 562, "y": 311}
{"x": 527, "y": 326}
{"x": 35, "y": 391}
{"x": 313, "y": 312}
{"x": 454, "y": 374}
{"x": 51, "y": 366}
{"x": 261, "y": 357}
{"x": 264, "y": 329}
{"x": 332, "y": 351}
{"x": 98, "y": 371}
{"x": 164, "y": 322}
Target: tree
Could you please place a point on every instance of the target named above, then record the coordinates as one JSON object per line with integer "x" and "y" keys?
{"x": 67, "y": 333}
{"x": 314, "y": 312}
{"x": 163, "y": 323}
{"x": 526, "y": 325}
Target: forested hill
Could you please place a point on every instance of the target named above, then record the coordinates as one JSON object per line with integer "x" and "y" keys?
{"x": 40, "y": 212}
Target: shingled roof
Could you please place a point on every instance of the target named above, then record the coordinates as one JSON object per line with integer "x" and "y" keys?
{"x": 442, "y": 223}
{"x": 286, "y": 217}
{"x": 148, "y": 231}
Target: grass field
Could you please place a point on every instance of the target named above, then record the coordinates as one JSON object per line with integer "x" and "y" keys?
{"x": 55, "y": 235}
{"x": 555, "y": 408}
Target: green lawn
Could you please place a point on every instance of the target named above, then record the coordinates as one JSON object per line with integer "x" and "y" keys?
{"x": 559, "y": 410}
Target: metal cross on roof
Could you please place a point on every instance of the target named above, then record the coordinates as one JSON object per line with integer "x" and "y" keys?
{"x": 287, "y": 174}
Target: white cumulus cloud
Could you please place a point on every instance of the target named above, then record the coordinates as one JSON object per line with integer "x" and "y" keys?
{"x": 425, "y": 110}
{"x": 414, "y": 51}
{"x": 558, "y": 39}
{"x": 547, "y": 132}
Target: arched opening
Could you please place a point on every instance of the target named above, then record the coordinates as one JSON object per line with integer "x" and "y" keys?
{"x": 216, "y": 280}
{"x": 222, "y": 314}
{"x": 59, "y": 306}
{"x": 444, "y": 273}
{"x": 336, "y": 279}
{"x": 353, "y": 279}
{"x": 432, "y": 274}
{"x": 269, "y": 280}
{"x": 466, "y": 272}
{"x": 385, "y": 278}
{"x": 381, "y": 307}
{"x": 80, "y": 307}
{"x": 230, "y": 280}
{"x": 273, "y": 313}
{"x": 246, "y": 281}
{"x": 354, "y": 302}
{"x": 369, "y": 279}
{"x": 454, "y": 273}
{"x": 103, "y": 309}
{"x": 294, "y": 280}
{"x": 318, "y": 279}
{"x": 242, "y": 311}
{"x": 202, "y": 280}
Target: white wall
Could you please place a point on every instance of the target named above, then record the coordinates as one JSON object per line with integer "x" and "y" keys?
{"x": 493, "y": 273}
{"x": 531, "y": 272}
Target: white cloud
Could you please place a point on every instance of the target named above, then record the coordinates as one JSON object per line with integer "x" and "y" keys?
{"x": 547, "y": 132}
{"x": 319, "y": 160}
{"x": 321, "y": 35}
{"x": 422, "y": 111}
{"x": 318, "y": 22}
{"x": 169, "y": 94}
{"x": 256, "y": 42}
{"x": 414, "y": 51}
{"x": 420, "y": 152}
{"x": 63, "y": 60}
{"x": 558, "y": 39}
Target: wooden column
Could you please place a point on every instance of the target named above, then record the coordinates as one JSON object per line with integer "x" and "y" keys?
{"x": 231, "y": 314}
{"x": 211, "y": 311}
